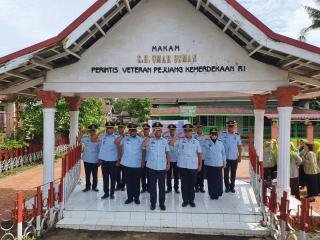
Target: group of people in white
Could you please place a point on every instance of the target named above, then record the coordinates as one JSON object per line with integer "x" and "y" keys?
{"x": 153, "y": 158}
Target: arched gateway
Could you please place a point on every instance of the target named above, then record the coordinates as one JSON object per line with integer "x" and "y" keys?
{"x": 167, "y": 48}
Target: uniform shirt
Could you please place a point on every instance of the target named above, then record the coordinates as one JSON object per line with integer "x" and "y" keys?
{"x": 108, "y": 149}
{"x": 231, "y": 142}
{"x": 131, "y": 151}
{"x": 216, "y": 155}
{"x": 295, "y": 161}
{"x": 309, "y": 162}
{"x": 173, "y": 149}
{"x": 268, "y": 157}
{"x": 202, "y": 140}
{"x": 91, "y": 150}
{"x": 188, "y": 150}
{"x": 156, "y": 153}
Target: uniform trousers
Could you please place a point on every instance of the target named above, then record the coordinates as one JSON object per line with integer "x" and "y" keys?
{"x": 132, "y": 176}
{"x": 302, "y": 177}
{"x": 230, "y": 167}
{"x": 91, "y": 169}
{"x": 312, "y": 184}
{"x": 214, "y": 179}
{"x": 157, "y": 176}
{"x": 120, "y": 177}
{"x": 109, "y": 169}
{"x": 188, "y": 181}
{"x": 294, "y": 187}
{"x": 200, "y": 178}
{"x": 144, "y": 178}
{"x": 174, "y": 170}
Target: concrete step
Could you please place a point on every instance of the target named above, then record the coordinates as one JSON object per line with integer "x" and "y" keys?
{"x": 197, "y": 223}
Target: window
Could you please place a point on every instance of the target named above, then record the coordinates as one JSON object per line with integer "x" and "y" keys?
{"x": 204, "y": 120}
{"x": 211, "y": 121}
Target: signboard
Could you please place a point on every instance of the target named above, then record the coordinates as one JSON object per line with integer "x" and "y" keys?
{"x": 188, "y": 111}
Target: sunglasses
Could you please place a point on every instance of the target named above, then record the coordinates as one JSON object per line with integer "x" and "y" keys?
{"x": 188, "y": 130}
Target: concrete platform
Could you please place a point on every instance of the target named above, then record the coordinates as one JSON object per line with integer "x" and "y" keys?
{"x": 233, "y": 214}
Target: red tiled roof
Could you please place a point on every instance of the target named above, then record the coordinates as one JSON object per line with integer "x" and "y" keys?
{"x": 297, "y": 113}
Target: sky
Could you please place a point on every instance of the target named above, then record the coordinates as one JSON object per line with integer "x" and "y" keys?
{"x": 26, "y": 22}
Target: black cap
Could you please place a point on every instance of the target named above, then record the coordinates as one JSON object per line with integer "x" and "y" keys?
{"x": 132, "y": 126}
{"x": 109, "y": 124}
{"x": 198, "y": 124}
{"x": 231, "y": 123}
{"x": 172, "y": 126}
{"x": 145, "y": 125}
{"x": 213, "y": 130}
{"x": 120, "y": 124}
{"x": 188, "y": 126}
{"x": 92, "y": 127}
{"x": 157, "y": 126}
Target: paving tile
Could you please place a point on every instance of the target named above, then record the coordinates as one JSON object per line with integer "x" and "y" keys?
{"x": 232, "y": 214}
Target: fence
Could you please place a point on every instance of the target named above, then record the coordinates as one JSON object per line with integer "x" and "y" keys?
{"x": 13, "y": 158}
{"x": 283, "y": 222}
{"x": 32, "y": 217}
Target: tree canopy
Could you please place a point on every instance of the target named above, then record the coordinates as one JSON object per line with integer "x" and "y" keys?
{"x": 136, "y": 107}
{"x": 30, "y": 116}
{"x": 314, "y": 14}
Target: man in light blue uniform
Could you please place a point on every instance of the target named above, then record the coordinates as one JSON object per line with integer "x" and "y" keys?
{"x": 232, "y": 145}
{"x": 90, "y": 157}
{"x": 132, "y": 161}
{"x": 189, "y": 163}
{"x": 173, "y": 161}
{"x": 214, "y": 162}
{"x": 202, "y": 139}
{"x": 157, "y": 150}
{"x": 108, "y": 157}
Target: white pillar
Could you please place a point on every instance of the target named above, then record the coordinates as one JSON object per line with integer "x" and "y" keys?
{"x": 48, "y": 145}
{"x": 283, "y": 165}
{"x": 74, "y": 129}
{"x": 258, "y": 131}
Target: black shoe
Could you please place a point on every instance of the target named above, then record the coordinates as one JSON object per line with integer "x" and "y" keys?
{"x": 192, "y": 204}
{"x": 143, "y": 190}
{"x": 169, "y": 190}
{"x": 197, "y": 190}
{"x": 202, "y": 190}
{"x": 153, "y": 207}
{"x": 128, "y": 201}
{"x": 162, "y": 207}
{"x": 177, "y": 191}
{"x": 95, "y": 189}
{"x": 214, "y": 198}
{"x": 137, "y": 201}
{"x": 184, "y": 204}
{"x": 112, "y": 196}
{"x": 123, "y": 188}
{"x": 105, "y": 196}
{"x": 232, "y": 190}
{"x": 86, "y": 190}
{"x": 117, "y": 188}
{"x": 227, "y": 190}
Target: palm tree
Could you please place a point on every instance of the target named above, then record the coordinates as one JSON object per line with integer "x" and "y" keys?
{"x": 314, "y": 14}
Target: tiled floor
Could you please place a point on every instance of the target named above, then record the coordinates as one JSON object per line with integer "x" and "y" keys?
{"x": 232, "y": 214}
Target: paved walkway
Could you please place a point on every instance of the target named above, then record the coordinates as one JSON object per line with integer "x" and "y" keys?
{"x": 27, "y": 181}
{"x": 233, "y": 214}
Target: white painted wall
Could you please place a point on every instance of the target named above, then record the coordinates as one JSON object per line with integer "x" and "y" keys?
{"x": 165, "y": 22}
